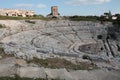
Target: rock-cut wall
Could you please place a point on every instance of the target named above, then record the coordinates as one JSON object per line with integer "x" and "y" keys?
{"x": 55, "y": 38}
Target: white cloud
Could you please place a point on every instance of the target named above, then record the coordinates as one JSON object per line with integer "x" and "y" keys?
{"x": 24, "y": 5}
{"x": 41, "y": 6}
{"x": 79, "y": 2}
{"x": 31, "y": 5}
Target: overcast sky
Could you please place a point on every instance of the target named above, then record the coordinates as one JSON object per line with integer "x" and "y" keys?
{"x": 66, "y": 7}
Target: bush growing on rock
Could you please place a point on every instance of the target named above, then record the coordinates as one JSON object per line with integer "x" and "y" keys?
{"x": 3, "y": 55}
{"x": 2, "y": 26}
{"x": 84, "y": 18}
{"x": 28, "y": 21}
{"x": 86, "y": 57}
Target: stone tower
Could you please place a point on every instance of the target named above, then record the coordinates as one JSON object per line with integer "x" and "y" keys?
{"x": 54, "y": 12}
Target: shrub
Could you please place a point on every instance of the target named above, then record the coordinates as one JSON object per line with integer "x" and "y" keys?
{"x": 99, "y": 36}
{"x": 2, "y": 26}
{"x": 86, "y": 57}
{"x": 2, "y": 53}
{"x": 84, "y": 18}
{"x": 28, "y": 21}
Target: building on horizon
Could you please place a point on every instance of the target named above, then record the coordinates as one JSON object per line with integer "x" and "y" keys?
{"x": 54, "y": 12}
{"x": 16, "y": 12}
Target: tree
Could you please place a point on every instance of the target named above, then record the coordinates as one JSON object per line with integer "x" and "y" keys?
{"x": 106, "y": 14}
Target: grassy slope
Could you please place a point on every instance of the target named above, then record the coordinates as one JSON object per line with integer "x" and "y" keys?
{"x": 21, "y": 18}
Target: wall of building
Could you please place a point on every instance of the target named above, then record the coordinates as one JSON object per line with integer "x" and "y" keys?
{"x": 16, "y": 12}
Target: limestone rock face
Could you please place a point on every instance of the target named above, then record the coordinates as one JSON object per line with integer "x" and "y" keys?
{"x": 7, "y": 67}
{"x": 76, "y": 41}
{"x": 31, "y": 72}
{"x": 12, "y": 66}
{"x": 58, "y": 74}
{"x": 7, "y": 70}
{"x": 95, "y": 75}
{"x": 61, "y": 37}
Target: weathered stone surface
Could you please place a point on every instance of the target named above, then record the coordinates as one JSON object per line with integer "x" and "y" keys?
{"x": 58, "y": 74}
{"x": 60, "y": 38}
{"x": 95, "y": 75}
{"x": 31, "y": 72}
{"x": 20, "y": 62}
{"x": 8, "y": 67}
{"x": 7, "y": 70}
{"x": 57, "y": 38}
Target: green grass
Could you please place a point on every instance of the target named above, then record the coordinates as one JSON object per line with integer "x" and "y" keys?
{"x": 22, "y": 18}
{"x": 61, "y": 63}
{"x": 37, "y": 17}
{"x": 84, "y": 18}
{"x": 26, "y": 18}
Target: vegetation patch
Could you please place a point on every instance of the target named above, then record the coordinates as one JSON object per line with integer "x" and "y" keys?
{"x": 3, "y": 55}
{"x": 2, "y": 26}
{"x": 18, "y": 78}
{"x": 84, "y": 18}
{"x": 62, "y": 63}
{"x": 86, "y": 57}
{"x": 35, "y": 17}
{"x": 29, "y": 21}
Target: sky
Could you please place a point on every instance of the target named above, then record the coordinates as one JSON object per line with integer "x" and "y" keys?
{"x": 66, "y": 7}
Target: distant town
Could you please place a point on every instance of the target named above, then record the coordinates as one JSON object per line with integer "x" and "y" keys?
{"x": 27, "y": 13}
{"x": 107, "y": 16}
